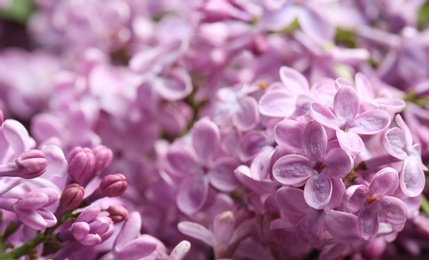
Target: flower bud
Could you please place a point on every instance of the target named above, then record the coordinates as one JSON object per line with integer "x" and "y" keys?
{"x": 31, "y": 164}
{"x": 117, "y": 213}
{"x": 81, "y": 163}
{"x": 72, "y": 196}
{"x": 103, "y": 158}
{"x": 113, "y": 185}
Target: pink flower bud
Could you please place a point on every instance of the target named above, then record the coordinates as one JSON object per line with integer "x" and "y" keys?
{"x": 31, "y": 164}
{"x": 117, "y": 213}
{"x": 81, "y": 163}
{"x": 113, "y": 185}
{"x": 103, "y": 158}
{"x": 72, "y": 196}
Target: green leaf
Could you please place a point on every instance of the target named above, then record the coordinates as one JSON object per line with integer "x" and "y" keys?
{"x": 19, "y": 11}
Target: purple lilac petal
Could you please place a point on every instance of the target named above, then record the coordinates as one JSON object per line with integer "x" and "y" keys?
{"x": 260, "y": 166}
{"x": 222, "y": 177}
{"x": 293, "y": 80}
{"x": 252, "y": 143}
{"x": 393, "y": 210}
{"x": 291, "y": 203}
{"x": 260, "y": 187}
{"x": 181, "y": 160}
{"x": 318, "y": 191}
{"x": 342, "y": 226}
{"x": 310, "y": 229}
{"x": 394, "y": 143}
{"x": 287, "y": 134}
{"x": 363, "y": 86}
{"x": 404, "y": 127}
{"x": 346, "y": 103}
{"x": 371, "y": 122}
{"x": 277, "y": 103}
{"x": 351, "y": 142}
{"x": 314, "y": 141}
{"x": 368, "y": 222}
{"x": 357, "y": 195}
{"x": 192, "y": 194}
{"x": 411, "y": 178}
{"x": 16, "y": 134}
{"x": 338, "y": 163}
{"x": 197, "y": 231}
{"x": 242, "y": 230}
{"x": 223, "y": 228}
{"x": 180, "y": 251}
{"x": 279, "y": 19}
{"x": 337, "y": 196}
{"x": 292, "y": 170}
{"x": 315, "y": 25}
{"x": 130, "y": 230}
{"x": 136, "y": 249}
{"x": 246, "y": 116}
{"x": 324, "y": 116}
{"x": 205, "y": 137}
{"x": 385, "y": 182}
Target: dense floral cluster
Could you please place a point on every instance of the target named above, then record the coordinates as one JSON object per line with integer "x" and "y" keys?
{"x": 214, "y": 129}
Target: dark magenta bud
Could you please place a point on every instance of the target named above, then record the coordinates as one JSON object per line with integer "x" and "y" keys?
{"x": 113, "y": 185}
{"x": 72, "y": 196}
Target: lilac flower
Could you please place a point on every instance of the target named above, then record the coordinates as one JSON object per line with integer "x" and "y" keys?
{"x": 81, "y": 163}
{"x": 398, "y": 142}
{"x": 92, "y": 226}
{"x": 310, "y": 224}
{"x": 72, "y": 196}
{"x": 375, "y": 204}
{"x": 237, "y": 108}
{"x": 346, "y": 120}
{"x": 197, "y": 165}
{"x": 319, "y": 170}
{"x": 31, "y": 207}
{"x": 223, "y": 235}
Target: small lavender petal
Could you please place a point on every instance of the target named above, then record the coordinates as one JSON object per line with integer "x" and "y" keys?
{"x": 385, "y": 182}
{"x": 346, "y": 103}
{"x": 368, "y": 222}
{"x": 197, "y": 231}
{"x": 356, "y": 197}
{"x": 350, "y": 142}
{"x": 247, "y": 116}
{"x": 318, "y": 191}
{"x": 192, "y": 195}
{"x": 205, "y": 137}
{"x": 310, "y": 229}
{"x": 394, "y": 143}
{"x": 223, "y": 228}
{"x": 277, "y": 103}
{"x": 292, "y": 170}
{"x": 314, "y": 141}
{"x": 411, "y": 178}
{"x": 287, "y": 133}
{"x": 293, "y": 80}
{"x": 371, "y": 122}
{"x": 342, "y": 226}
{"x": 393, "y": 210}
{"x": 324, "y": 116}
{"x": 338, "y": 163}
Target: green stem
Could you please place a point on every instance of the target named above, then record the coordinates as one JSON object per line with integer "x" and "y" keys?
{"x": 425, "y": 205}
{"x": 25, "y": 248}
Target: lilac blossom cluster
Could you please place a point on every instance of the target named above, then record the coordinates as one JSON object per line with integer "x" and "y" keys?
{"x": 214, "y": 129}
